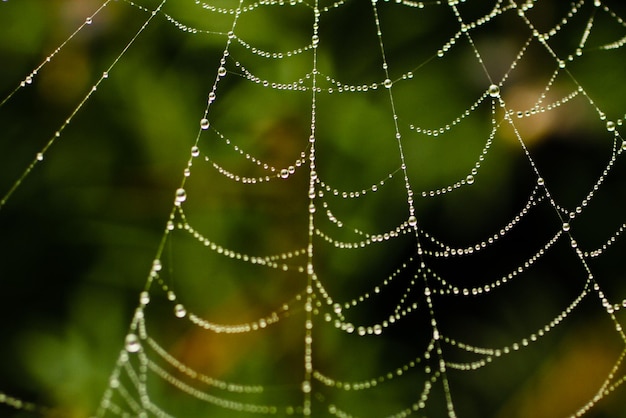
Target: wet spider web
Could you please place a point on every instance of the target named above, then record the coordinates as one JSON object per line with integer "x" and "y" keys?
{"x": 385, "y": 208}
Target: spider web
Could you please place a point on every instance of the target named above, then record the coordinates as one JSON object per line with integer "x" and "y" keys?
{"x": 385, "y": 208}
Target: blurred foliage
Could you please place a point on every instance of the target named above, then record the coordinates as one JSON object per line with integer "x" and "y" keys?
{"x": 79, "y": 235}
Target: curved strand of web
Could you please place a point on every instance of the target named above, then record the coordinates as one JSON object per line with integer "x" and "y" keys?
{"x": 265, "y": 3}
{"x": 272, "y": 54}
{"x": 299, "y": 85}
{"x": 272, "y": 261}
{"x": 207, "y": 380}
{"x": 400, "y": 311}
{"x": 424, "y": 396}
{"x": 450, "y": 289}
{"x": 537, "y": 108}
{"x": 488, "y": 93}
{"x": 466, "y": 28}
{"x": 415, "y": 407}
{"x": 447, "y": 250}
{"x": 247, "y": 156}
{"x": 378, "y": 289}
{"x": 370, "y": 239}
{"x": 439, "y": 131}
{"x": 180, "y": 311}
{"x": 335, "y": 5}
{"x": 338, "y": 308}
{"x": 39, "y": 157}
{"x": 373, "y": 381}
{"x": 620, "y": 42}
{"x": 212, "y": 399}
{"x": 405, "y": 228}
{"x": 21, "y": 405}
{"x": 352, "y": 194}
{"x": 33, "y": 74}
{"x": 283, "y": 172}
{"x": 340, "y": 224}
{"x": 177, "y": 23}
{"x": 491, "y": 354}
{"x": 609, "y": 242}
{"x": 469, "y": 178}
{"x": 246, "y": 9}
{"x": 409, "y": 74}
{"x": 572, "y": 214}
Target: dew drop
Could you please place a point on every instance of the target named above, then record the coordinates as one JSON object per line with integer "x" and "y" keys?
{"x": 211, "y": 97}
{"x": 105, "y": 74}
{"x": 156, "y": 265}
{"x": 494, "y": 90}
{"x": 284, "y": 173}
{"x": 204, "y": 123}
{"x": 610, "y": 126}
{"x": 566, "y": 226}
{"x": 540, "y": 181}
{"x": 412, "y": 221}
{"x": 306, "y": 387}
{"x": 221, "y": 71}
{"x": 195, "y": 151}
{"x": 387, "y": 83}
{"x": 88, "y": 21}
{"x": 39, "y": 156}
{"x": 180, "y": 311}
{"x": 469, "y": 179}
{"x": 171, "y": 295}
{"x": 132, "y": 343}
{"x": 181, "y": 196}
{"x": 315, "y": 40}
{"x": 144, "y": 298}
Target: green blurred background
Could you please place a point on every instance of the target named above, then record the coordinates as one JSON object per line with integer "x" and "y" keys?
{"x": 79, "y": 235}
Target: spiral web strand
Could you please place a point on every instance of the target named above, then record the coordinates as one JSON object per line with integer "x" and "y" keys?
{"x": 355, "y": 197}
